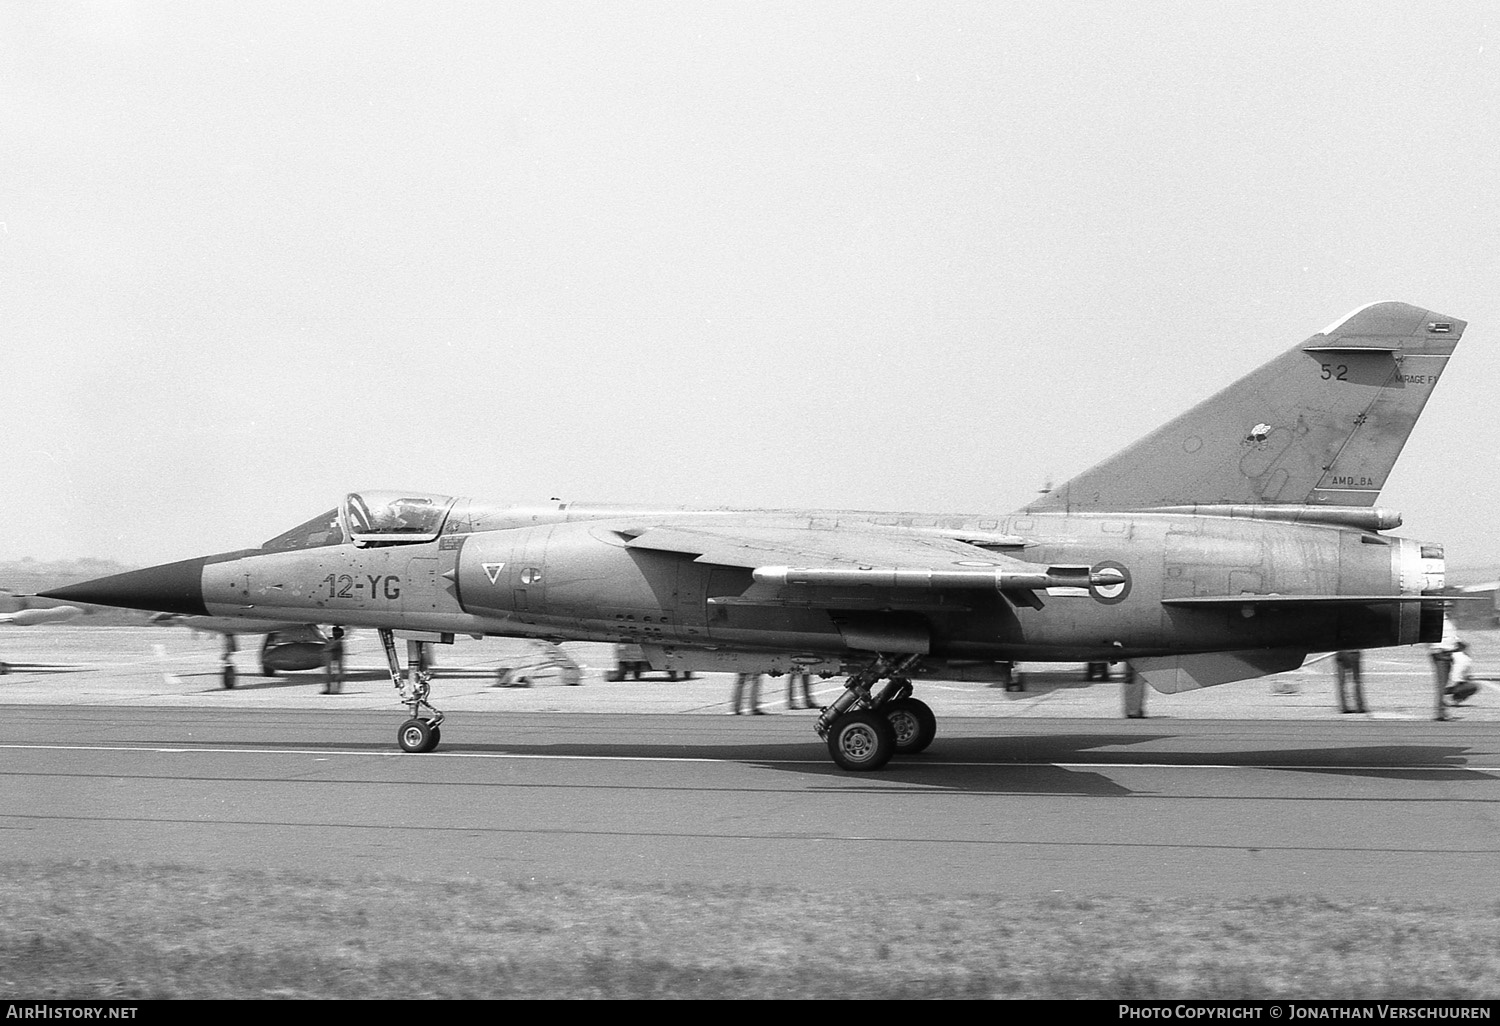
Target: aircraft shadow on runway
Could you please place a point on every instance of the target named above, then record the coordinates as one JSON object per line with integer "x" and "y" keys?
{"x": 1438, "y": 761}
{"x": 1042, "y": 764}
{"x": 1434, "y": 763}
{"x": 979, "y": 765}
{"x": 1053, "y": 764}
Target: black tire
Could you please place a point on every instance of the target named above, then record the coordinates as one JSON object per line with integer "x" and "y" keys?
{"x": 862, "y": 741}
{"x": 266, "y": 671}
{"x": 228, "y": 678}
{"x": 914, "y": 723}
{"x": 436, "y": 736}
{"x": 415, "y": 736}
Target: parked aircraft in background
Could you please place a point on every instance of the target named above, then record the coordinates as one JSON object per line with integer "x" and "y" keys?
{"x": 1227, "y": 544}
{"x": 285, "y": 647}
{"x": 19, "y": 611}
{"x": 32, "y": 617}
{"x": 1476, "y": 606}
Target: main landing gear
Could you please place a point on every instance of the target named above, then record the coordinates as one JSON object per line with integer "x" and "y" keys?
{"x": 419, "y": 733}
{"x": 863, "y": 730}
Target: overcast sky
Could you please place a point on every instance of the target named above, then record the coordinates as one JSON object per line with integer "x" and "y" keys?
{"x": 865, "y": 255}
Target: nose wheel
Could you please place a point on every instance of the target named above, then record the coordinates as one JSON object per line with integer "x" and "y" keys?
{"x": 419, "y": 733}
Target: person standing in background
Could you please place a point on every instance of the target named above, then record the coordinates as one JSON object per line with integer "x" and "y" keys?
{"x": 1351, "y": 685}
{"x": 747, "y": 693}
{"x": 799, "y": 683}
{"x": 333, "y": 663}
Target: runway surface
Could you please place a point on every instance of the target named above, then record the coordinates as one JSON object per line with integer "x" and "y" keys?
{"x": 119, "y": 746}
{"x": 1017, "y": 807}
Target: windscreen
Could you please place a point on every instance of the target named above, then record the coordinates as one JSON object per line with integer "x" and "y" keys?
{"x": 322, "y": 529}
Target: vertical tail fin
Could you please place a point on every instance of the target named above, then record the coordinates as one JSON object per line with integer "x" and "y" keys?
{"x": 1322, "y": 424}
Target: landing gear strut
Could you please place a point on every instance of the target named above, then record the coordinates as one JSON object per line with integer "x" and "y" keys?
{"x": 863, "y": 730}
{"x": 419, "y": 733}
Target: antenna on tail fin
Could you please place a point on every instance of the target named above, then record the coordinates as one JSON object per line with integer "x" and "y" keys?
{"x": 1320, "y": 425}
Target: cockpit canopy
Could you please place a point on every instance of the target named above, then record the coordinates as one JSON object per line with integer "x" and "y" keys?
{"x": 384, "y": 518}
{"x": 371, "y": 518}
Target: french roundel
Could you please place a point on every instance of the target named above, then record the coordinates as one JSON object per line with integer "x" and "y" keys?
{"x": 1116, "y": 585}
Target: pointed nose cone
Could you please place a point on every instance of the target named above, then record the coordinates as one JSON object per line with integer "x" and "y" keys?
{"x": 169, "y": 588}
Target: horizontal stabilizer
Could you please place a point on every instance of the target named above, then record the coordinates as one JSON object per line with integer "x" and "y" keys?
{"x": 1173, "y": 674}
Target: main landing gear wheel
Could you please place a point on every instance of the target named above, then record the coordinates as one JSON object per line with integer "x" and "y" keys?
{"x": 914, "y": 723}
{"x": 862, "y": 740}
{"x": 418, "y": 736}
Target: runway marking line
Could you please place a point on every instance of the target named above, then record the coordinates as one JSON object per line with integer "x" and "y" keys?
{"x": 325, "y": 753}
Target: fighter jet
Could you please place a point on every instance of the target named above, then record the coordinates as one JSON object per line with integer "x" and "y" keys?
{"x": 1227, "y": 544}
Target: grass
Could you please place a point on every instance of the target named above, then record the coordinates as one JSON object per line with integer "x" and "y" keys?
{"x": 106, "y": 930}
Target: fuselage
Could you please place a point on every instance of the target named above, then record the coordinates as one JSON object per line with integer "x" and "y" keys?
{"x": 566, "y": 572}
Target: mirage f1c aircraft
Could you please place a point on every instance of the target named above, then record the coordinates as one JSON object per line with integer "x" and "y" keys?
{"x": 1227, "y": 544}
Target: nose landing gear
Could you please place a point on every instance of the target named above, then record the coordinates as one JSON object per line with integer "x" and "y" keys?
{"x": 419, "y": 733}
